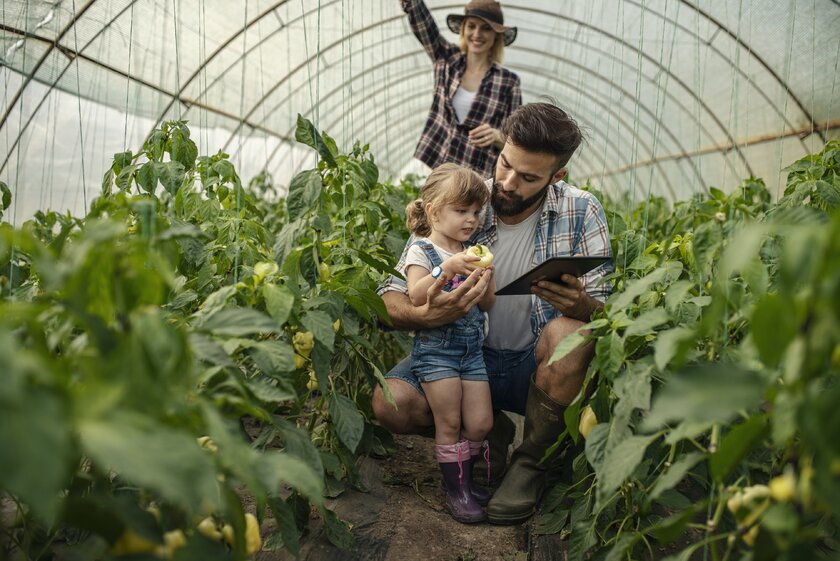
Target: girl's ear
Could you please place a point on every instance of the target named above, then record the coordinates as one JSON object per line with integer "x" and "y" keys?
{"x": 431, "y": 214}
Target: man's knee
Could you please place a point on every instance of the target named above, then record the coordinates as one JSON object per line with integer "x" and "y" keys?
{"x": 562, "y": 379}
{"x": 553, "y": 333}
{"x": 409, "y": 412}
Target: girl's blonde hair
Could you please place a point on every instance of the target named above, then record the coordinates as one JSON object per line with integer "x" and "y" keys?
{"x": 497, "y": 51}
{"x": 448, "y": 184}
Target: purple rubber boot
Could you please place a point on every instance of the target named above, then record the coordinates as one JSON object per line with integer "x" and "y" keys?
{"x": 453, "y": 459}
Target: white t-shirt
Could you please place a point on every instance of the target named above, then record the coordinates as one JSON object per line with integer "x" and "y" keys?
{"x": 416, "y": 256}
{"x": 513, "y": 256}
{"x": 461, "y": 102}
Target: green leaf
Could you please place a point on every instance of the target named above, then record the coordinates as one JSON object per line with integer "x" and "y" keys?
{"x": 208, "y": 350}
{"x": 237, "y": 322}
{"x": 826, "y": 195}
{"x": 371, "y": 173}
{"x": 304, "y": 191}
{"x": 619, "y": 463}
{"x": 148, "y": 176}
{"x": 550, "y": 522}
{"x": 225, "y": 170}
{"x": 386, "y": 390}
{"x": 635, "y": 288}
{"x": 273, "y": 469}
{"x": 687, "y": 430}
{"x": 181, "y": 230}
{"x": 377, "y": 264}
{"x": 279, "y": 302}
{"x": 743, "y": 249}
{"x": 624, "y": 543}
{"x": 596, "y": 444}
{"x": 676, "y": 294}
{"x": 773, "y": 327}
{"x": 674, "y": 474}
{"x": 348, "y": 421}
{"x": 121, "y": 160}
{"x": 671, "y": 528}
{"x": 298, "y": 443}
{"x": 182, "y": 148}
{"x": 706, "y": 393}
{"x": 582, "y": 539}
{"x": 286, "y": 525}
{"x": 566, "y": 345}
{"x": 647, "y": 322}
{"x": 125, "y": 176}
{"x": 671, "y": 344}
{"x": 172, "y": 176}
{"x": 338, "y": 531}
{"x": 320, "y": 324}
{"x": 36, "y": 451}
{"x": 154, "y": 456}
{"x": 736, "y": 444}
{"x": 268, "y": 392}
{"x": 274, "y": 356}
{"x": 305, "y": 133}
{"x": 609, "y": 352}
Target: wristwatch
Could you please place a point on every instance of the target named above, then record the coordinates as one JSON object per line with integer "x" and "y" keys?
{"x": 437, "y": 272}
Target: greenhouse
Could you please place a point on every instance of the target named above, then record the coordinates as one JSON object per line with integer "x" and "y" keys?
{"x": 224, "y": 225}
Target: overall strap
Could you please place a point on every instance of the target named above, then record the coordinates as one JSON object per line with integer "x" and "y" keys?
{"x": 430, "y": 252}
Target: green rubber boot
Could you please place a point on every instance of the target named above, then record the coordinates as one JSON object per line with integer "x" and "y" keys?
{"x": 498, "y": 439}
{"x": 524, "y": 482}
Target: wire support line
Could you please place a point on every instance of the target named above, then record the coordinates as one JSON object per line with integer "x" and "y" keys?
{"x": 54, "y": 44}
{"x": 802, "y": 132}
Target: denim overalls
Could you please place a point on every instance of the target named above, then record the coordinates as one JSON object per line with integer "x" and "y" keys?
{"x": 453, "y": 350}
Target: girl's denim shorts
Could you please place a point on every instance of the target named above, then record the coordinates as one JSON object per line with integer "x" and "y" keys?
{"x": 448, "y": 353}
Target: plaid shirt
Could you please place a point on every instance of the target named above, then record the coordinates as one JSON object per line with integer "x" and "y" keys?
{"x": 444, "y": 139}
{"x": 572, "y": 222}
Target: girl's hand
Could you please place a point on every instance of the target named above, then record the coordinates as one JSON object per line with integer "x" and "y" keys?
{"x": 460, "y": 264}
{"x": 484, "y": 135}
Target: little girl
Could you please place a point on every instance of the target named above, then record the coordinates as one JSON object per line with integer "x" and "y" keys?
{"x": 448, "y": 360}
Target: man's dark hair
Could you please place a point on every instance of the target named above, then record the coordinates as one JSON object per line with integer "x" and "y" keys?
{"x": 545, "y": 128}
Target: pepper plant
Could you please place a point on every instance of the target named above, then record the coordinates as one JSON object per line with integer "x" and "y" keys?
{"x": 716, "y": 364}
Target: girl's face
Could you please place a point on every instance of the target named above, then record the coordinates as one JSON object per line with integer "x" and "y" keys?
{"x": 479, "y": 36}
{"x": 455, "y": 221}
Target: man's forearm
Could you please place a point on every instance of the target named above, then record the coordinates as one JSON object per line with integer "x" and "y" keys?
{"x": 404, "y": 315}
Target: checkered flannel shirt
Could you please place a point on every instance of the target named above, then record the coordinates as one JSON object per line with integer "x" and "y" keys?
{"x": 444, "y": 139}
{"x": 572, "y": 222}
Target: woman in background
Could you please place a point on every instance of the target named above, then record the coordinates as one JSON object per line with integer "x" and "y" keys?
{"x": 473, "y": 92}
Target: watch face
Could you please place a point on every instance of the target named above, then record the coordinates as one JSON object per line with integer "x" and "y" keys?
{"x": 436, "y": 272}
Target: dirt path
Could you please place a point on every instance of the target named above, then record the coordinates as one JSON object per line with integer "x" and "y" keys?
{"x": 401, "y": 518}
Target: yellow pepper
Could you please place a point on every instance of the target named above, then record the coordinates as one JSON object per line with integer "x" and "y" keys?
{"x": 481, "y": 251}
{"x": 588, "y": 420}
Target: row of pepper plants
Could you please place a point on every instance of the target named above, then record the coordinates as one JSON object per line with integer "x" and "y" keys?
{"x": 139, "y": 336}
{"x": 707, "y": 428}
{"x": 136, "y": 340}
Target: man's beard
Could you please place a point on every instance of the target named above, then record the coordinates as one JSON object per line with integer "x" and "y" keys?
{"x": 513, "y": 204}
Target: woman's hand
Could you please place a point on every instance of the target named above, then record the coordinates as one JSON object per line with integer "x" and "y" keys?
{"x": 484, "y": 135}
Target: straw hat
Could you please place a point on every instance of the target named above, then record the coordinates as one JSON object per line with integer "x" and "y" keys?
{"x": 487, "y": 10}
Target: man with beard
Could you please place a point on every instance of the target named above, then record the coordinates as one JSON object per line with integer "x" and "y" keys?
{"x": 533, "y": 215}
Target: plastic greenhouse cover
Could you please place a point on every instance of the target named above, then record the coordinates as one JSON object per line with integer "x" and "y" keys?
{"x": 675, "y": 96}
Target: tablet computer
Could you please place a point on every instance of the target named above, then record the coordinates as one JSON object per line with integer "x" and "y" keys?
{"x": 551, "y": 270}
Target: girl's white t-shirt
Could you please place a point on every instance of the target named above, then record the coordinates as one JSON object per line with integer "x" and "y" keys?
{"x": 416, "y": 256}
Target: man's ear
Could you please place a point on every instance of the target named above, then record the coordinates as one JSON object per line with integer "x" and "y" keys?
{"x": 558, "y": 175}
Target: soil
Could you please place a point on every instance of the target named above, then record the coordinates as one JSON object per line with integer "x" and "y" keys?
{"x": 401, "y": 518}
